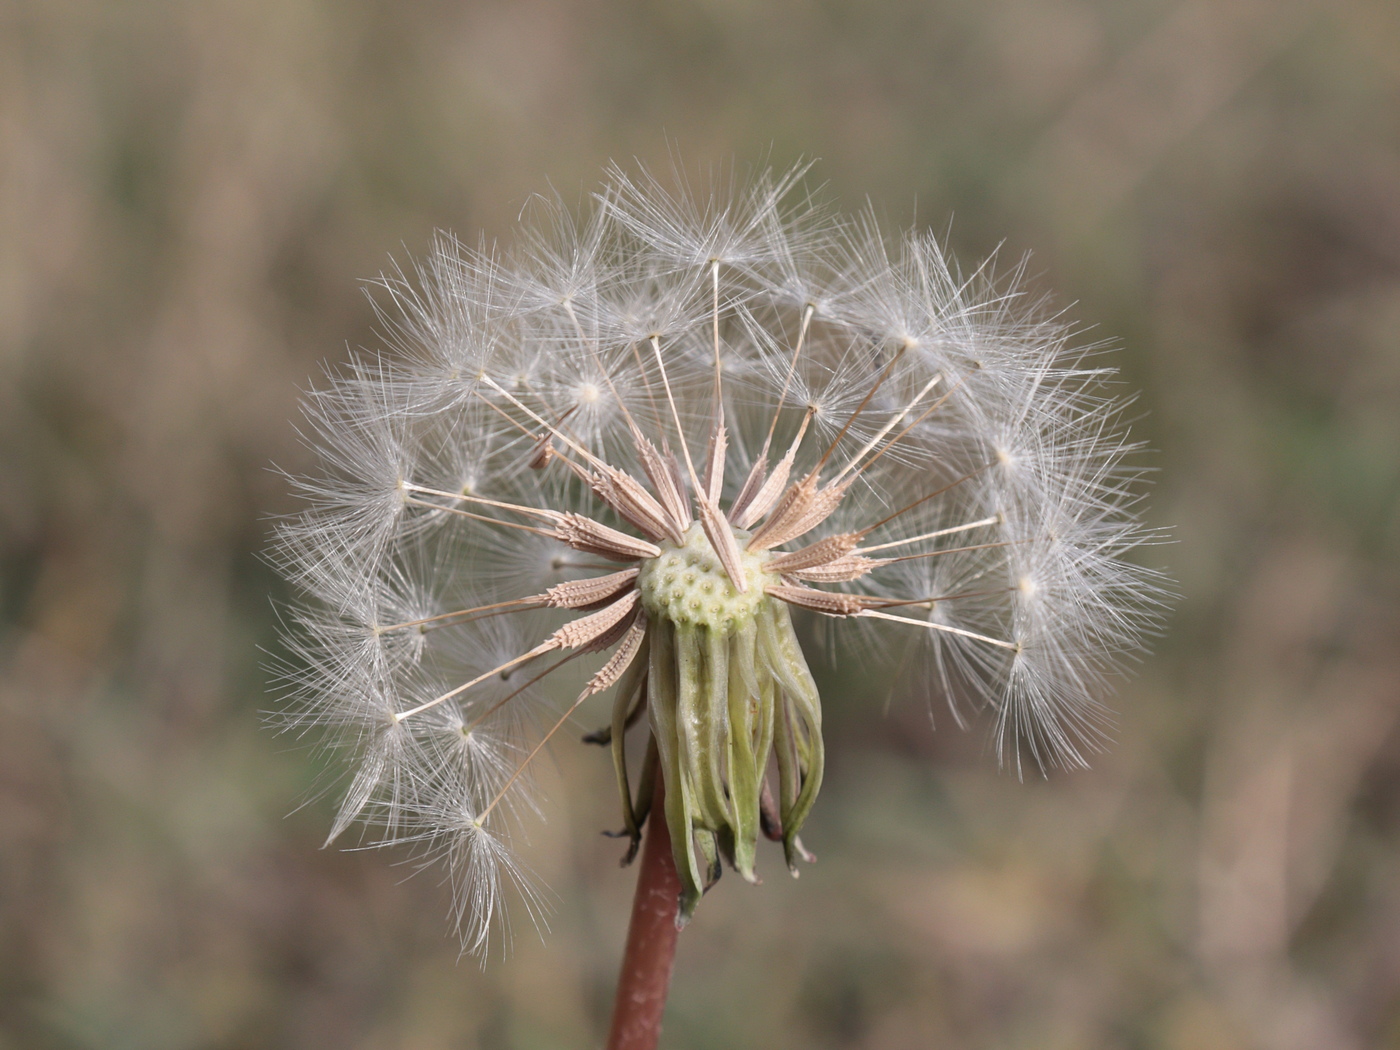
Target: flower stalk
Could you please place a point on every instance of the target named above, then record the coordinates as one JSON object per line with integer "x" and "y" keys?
{"x": 645, "y": 976}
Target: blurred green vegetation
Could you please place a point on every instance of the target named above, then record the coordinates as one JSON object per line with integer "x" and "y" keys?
{"x": 190, "y": 194}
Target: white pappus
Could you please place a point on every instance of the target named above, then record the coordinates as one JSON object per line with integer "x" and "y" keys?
{"x": 633, "y": 444}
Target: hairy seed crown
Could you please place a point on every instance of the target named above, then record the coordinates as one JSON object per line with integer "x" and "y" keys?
{"x": 634, "y": 444}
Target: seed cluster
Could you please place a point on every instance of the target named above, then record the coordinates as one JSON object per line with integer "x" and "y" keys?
{"x": 687, "y": 584}
{"x": 637, "y": 442}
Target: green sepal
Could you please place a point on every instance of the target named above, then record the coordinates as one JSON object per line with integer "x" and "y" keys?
{"x": 663, "y": 698}
{"x": 722, "y": 702}
{"x": 798, "y": 737}
{"x": 745, "y": 773}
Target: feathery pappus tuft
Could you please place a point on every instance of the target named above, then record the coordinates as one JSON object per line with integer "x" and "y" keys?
{"x": 620, "y": 454}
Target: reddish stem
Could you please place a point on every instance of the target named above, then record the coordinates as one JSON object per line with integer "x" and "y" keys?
{"x": 651, "y": 940}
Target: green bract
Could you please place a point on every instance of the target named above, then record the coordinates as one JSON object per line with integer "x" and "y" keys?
{"x": 727, "y": 688}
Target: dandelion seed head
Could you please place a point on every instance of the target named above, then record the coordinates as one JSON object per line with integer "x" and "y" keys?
{"x": 614, "y": 457}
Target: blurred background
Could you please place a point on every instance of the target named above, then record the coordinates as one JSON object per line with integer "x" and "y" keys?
{"x": 190, "y": 197}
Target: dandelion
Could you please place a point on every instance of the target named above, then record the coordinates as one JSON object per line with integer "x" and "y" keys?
{"x": 627, "y": 454}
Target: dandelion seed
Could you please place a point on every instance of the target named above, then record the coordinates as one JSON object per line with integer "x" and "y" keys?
{"x": 640, "y": 440}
